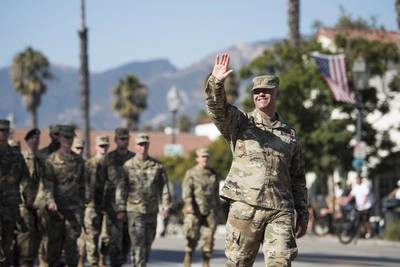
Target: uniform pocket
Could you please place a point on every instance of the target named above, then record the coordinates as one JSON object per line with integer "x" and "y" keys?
{"x": 242, "y": 211}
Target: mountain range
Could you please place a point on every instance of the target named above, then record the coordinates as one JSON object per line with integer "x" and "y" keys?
{"x": 61, "y": 102}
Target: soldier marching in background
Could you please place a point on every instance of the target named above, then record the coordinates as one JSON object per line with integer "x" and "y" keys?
{"x": 113, "y": 197}
{"x": 146, "y": 185}
{"x": 66, "y": 175}
{"x": 54, "y": 144}
{"x": 266, "y": 182}
{"x": 33, "y": 221}
{"x": 200, "y": 194}
{"x": 14, "y": 176}
{"x": 94, "y": 178}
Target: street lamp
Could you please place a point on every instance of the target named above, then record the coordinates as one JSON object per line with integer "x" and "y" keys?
{"x": 360, "y": 81}
{"x": 173, "y": 102}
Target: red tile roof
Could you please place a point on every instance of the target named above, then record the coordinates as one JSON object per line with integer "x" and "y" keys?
{"x": 372, "y": 35}
{"x": 158, "y": 140}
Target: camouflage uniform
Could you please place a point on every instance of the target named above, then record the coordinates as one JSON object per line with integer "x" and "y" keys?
{"x": 44, "y": 215}
{"x": 94, "y": 178}
{"x": 146, "y": 185}
{"x": 266, "y": 182}
{"x": 66, "y": 172}
{"x": 32, "y": 223}
{"x": 200, "y": 193}
{"x": 113, "y": 200}
{"x": 14, "y": 175}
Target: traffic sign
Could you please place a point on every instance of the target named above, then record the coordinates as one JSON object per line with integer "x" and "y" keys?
{"x": 360, "y": 150}
{"x": 357, "y": 164}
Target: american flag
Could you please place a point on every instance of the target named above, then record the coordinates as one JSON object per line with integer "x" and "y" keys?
{"x": 333, "y": 71}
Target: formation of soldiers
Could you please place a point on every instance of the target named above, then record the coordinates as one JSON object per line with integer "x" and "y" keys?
{"x": 59, "y": 208}
{"x": 52, "y": 200}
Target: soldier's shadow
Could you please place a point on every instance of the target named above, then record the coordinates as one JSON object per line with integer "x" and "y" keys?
{"x": 174, "y": 256}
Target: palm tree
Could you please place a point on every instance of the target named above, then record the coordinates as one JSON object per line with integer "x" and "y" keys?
{"x": 130, "y": 100}
{"x": 84, "y": 79}
{"x": 294, "y": 22}
{"x": 29, "y": 71}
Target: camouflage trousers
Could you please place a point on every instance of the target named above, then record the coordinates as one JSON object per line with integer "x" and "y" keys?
{"x": 29, "y": 231}
{"x": 248, "y": 227}
{"x": 94, "y": 222}
{"x": 200, "y": 226}
{"x": 8, "y": 218}
{"x": 63, "y": 232}
{"x": 142, "y": 231}
{"x": 115, "y": 230}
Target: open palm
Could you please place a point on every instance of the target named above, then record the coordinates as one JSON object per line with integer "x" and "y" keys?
{"x": 221, "y": 67}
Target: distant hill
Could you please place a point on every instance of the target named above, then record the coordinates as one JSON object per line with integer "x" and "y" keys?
{"x": 61, "y": 103}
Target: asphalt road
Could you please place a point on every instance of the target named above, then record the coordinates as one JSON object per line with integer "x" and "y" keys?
{"x": 313, "y": 251}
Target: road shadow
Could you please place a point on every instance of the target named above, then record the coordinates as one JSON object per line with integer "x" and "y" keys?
{"x": 345, "y": 259}
{"x": 175, "y": 256}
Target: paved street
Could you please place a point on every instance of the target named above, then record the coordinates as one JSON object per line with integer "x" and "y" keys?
{"x": 314, "y": 251}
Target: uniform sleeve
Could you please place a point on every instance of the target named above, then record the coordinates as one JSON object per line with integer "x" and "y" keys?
{"x": 26, "y": 184}
{"x": 89, "y": 182}
{"x": 81, "y": 181}
{"x": 299, "y": 189}
{"x": 165, "y": 193}
{"x": 226, "y": 117}
{"x": 49, "y": 182}
{"x": 121, "y": 188}
{"x": 216, "y": 193}
{"x": 187, "y": 190}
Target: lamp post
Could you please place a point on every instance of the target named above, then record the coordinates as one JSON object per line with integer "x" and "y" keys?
{"x": 360, "y": 80}
{"x": 173, "y": 102}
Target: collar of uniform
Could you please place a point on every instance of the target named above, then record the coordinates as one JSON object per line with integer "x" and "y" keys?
{"x": 259, "y": 118}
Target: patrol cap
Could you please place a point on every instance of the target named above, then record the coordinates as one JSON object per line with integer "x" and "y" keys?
{"x": 122, "y": 132}
{"x": 78, "y": 143}
{"x": 142, "y": 138}
{"x": 4, "y": 125}
{"x": 202, "y": 152}
{"x": 102, "y": 140}
{"x": 265, "y": 81}
{"x": 66, "y": 130}
{"x": 31, "y": 133}
{"x": 54, "y": 129}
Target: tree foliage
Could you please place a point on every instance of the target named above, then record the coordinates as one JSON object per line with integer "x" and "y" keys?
{"x": 29, "y": 71}
{"x": 130, "y": 100}
{"x": 305, "y": 100}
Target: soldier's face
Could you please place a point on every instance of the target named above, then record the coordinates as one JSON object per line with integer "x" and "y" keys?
{"x": 33, "y": 142}
{"x": 142, "y": 149}
{"x": 102, "y": 149}
{"x": 66, "y": 141}
{"x": 122, "y": 143}
{"x": 78, "y": 150}
{"x": 264, "y": 97}
{"x": 202, "y": 160}
{"x": 4, "y": 135}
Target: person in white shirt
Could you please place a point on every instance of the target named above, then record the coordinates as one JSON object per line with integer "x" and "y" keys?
{"x": 361, "y": 192}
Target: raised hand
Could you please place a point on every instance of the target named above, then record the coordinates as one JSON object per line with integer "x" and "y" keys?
{"x": 221, "y": 67}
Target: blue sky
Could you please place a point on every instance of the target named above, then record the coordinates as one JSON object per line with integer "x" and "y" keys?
{"x": 182, "y": 31}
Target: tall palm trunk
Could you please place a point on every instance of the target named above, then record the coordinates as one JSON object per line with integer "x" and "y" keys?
{"x": 84, "y": 80}
{"x": 294, "y": 22}
{"x": 34, "y": 118}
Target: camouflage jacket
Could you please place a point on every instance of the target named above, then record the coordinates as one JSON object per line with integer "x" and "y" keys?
{"x": 200, "y": 190}
{"x": 94, "y": 178}
{"x": 267, "y": 168}
{"x": 37, "y": 170}
{"x": 14, "y": 176}
{"x": 65, "y": 177}
{"x": 146, "y": 185}
{"x": 113, "y": 197}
